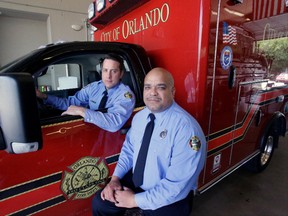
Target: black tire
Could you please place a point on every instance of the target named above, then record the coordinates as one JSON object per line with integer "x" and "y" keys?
{"x": 262, "y": 160}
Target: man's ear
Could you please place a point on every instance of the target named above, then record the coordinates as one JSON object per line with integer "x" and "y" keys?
{"x": 173, "y": 91}
{"x": 122, "y": 74}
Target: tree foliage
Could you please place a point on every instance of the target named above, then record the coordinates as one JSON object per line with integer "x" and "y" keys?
{"x": 277, "y": 49}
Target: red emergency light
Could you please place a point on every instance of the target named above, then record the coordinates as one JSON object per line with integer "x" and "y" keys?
{"x": 102, "y": 12}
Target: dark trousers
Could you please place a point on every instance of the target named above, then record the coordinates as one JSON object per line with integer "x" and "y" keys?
{"x": 106, "y": 208}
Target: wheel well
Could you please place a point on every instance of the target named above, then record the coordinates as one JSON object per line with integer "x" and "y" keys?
{"x": 277, "y": 126}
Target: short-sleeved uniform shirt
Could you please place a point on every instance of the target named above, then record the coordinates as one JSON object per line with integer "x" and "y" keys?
{"x": 120, "y": 104}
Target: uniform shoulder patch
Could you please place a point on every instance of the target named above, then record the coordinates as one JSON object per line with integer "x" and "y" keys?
{"x": 195, "y": 143}
{"x": 128, "y": 95}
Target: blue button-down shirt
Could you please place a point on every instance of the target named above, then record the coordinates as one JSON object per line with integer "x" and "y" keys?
{"x": 172, "y": 165}
{"x": 120, "y": 104}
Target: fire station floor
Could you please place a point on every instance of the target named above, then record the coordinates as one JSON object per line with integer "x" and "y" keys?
{"x": 248, "y": 194}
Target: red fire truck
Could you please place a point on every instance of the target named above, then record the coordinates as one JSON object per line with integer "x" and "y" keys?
{"x": 224, "y": 76}
{"x": 221, "y": 76}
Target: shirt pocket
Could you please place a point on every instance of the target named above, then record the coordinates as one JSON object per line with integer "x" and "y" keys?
{"x": 93, "y": 105}
{"x": 136, "y": 139}
{"x": 162, "y": 152}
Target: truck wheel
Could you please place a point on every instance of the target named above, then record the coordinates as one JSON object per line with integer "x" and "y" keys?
{"x": 262, "y": 160}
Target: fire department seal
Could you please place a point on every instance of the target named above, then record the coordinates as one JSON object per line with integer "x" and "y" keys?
{"x": 226, "y": 57}
{"x": 195, "y": 143}
{"x": 84, "y": 178}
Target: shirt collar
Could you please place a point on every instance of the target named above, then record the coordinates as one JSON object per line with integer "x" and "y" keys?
{"x": 111, "y": 90}
{"x": 159, "y": 117}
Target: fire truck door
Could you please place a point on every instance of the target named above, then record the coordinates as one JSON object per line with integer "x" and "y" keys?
{"x": 222, "y": 81}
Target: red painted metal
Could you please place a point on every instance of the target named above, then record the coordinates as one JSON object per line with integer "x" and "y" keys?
{"x": 185, "y": 38}
{"x": 163, "y": 29}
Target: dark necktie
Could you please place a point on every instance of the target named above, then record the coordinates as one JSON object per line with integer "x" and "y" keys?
{"x": 141, "y": 160}
{"x": 103, "y": 100}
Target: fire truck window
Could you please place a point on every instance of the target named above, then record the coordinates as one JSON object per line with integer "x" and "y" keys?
{"x": 60, "y": 77}
{"x": 127, "y": 79}
{"x": 61, "y": 80}
{"x": 68, "y": 75}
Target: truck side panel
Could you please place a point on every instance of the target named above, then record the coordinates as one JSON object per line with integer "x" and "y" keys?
{"x": 77, "y": 157}
{"x": 175, "y": 38}
{"x": 221, "y": 77}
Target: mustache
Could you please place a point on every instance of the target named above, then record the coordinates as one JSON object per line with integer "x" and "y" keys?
{"x": 153, "y": 98}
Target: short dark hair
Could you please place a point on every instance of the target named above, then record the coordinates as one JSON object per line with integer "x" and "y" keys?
{"x": 116, "y": 58}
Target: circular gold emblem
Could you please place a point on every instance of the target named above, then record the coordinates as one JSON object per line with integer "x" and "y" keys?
{"x": 128, "y": 95}
{"x": 195, "y": 143}
{"x": 88, "y": 176}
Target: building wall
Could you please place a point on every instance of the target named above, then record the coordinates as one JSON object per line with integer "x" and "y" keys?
{"x": 27, "y": 24}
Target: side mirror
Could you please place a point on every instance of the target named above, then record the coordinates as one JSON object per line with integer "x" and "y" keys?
{"x": 20, "y": 130}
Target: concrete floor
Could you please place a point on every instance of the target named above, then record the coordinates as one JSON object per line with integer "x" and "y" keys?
{"x": 247, "y": 194}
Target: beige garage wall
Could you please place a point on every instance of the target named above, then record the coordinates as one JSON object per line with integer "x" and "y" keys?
{"x": 27, "y": 24}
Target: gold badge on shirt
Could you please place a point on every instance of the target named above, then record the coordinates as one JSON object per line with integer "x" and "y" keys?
{"x": 195, "y": 143}
{"x": 128, "y": 95}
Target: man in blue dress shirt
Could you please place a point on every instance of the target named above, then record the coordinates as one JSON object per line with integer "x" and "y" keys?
{"x": 175, "y": 158}
{"x": 85, "y": 103}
